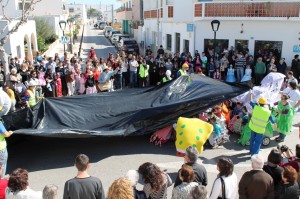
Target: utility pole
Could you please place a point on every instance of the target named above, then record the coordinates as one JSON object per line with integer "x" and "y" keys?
{"x": 112, "y": 14}
{"x": 157, "y": 46}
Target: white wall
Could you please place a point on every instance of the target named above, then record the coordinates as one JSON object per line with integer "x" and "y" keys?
{"x": 151, "y": 4}
{"x": 48, "y": 7}
{"x": 79, "y": 9}
{"x": 183, "y": 11}
{"x": 17, "y": 39}
{"x": 285, "y": 31}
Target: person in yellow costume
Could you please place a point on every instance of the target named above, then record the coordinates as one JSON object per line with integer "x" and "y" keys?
{"x": 261, "y": 116}
{"x": 191, "y": 132}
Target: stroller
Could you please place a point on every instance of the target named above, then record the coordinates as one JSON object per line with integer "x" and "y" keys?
{"x": 246, "y": 135}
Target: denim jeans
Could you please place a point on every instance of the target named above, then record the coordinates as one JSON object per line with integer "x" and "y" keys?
{"x": 239, "y": 74}
{"x": 255, "y": 142}
{"x": 3, "y": 160}
{"x": 133, "y": 79}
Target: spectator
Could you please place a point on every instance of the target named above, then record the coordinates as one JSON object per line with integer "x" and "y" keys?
{"x": 272, "y": 167}
{"x": 240, "y": 64}
{"x": 289, "y": 187}
{"x": 294, "y": 94}
{"x": 191, "y": 156}
{"x": 18, "y": 186}
{"x": 293, "y": 161}
{"x": 211, "y": 67}
{"x": 272, "y": 66}
{"x": 11, "y": 95}
{"x": 291, "y": 77}
{"x": 199, "y": 192}
{"x": 143, "y": 73}
{"x": 133, "y": 64}
{"x": 3, "y": 150}
{"x": 187, "y": 176}
{"x": 133, "y": 177}
{"x": 226, "y": 183}
{"x": 260, "y": 70}
{"x": 256, "y": 183}
{"x": 30, "y": 96}
{"x": 90, "y": 84}
{"x": 83, "y": 185}
{"x": 92, "y": 54}
{"x": 50, "y": 192}
{"x": 120, "y": 189}
{"x": 281, "y": 66}
{"x": 156, "y": 182}
{"x": 160, "y": 51}
{"x": 3, "y": 184}
{"x": 5, "y": 102}
{"x": 295, "y": 68}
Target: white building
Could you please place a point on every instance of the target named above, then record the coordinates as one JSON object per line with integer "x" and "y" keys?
{"x": 52, "y": 10}
{"x": 263, "y": 24}
{"x": 21, "y": 43}
{"x": 78, "y": 11}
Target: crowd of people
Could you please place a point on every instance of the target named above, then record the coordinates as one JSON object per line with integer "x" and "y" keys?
{"x": 273, "y": 180}
{"x": 30, "y": 81}
{"x": 68, "y": 75}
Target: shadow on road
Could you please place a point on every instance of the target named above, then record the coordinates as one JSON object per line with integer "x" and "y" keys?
{"x": 40, "y": 153}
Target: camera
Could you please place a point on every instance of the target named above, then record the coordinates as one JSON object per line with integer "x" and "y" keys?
{"x": 283, "y": 148}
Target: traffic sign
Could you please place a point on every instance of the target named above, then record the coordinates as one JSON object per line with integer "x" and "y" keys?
{"x": 65, "y": 39}
{"x": 190, "y": 27}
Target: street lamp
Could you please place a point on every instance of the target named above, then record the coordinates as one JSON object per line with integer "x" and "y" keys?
{"x": 62, "y": 25}
{"x": 70, "y": 22}
{"x": 215, "y": 24}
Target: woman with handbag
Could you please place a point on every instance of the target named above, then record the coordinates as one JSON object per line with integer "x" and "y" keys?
{"x": 225, "y": 186}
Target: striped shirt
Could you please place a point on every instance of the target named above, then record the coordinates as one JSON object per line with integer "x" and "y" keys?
{"x": 240, "y": 62}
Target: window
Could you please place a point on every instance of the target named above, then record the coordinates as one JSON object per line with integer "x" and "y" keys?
{"x": 169, "y": 42}
{"x": 24, "y": 6}
{"x": 268, "y": 46}
{"x": 71, "y": 9}
{"x": 221, "y": 44}
{"x": 241, "y": 45}
{"x": 170, "y": 12}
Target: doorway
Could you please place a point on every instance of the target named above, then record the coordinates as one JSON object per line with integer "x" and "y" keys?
{"x": 186, "y": 44}
{"x": 177, "y": 42}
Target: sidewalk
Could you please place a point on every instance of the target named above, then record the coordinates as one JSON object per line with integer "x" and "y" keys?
{"x": 58, "y": 47}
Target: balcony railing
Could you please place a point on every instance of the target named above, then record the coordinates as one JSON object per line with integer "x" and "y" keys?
{"x": 124, "y": 9}
{"x": 247, "y": 9}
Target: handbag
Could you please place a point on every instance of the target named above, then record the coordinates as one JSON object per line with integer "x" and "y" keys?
{"x": 223, "y": 189}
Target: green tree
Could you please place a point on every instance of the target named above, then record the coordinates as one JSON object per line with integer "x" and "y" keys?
{"x": 45, "y": 33}
{"x": 93, "y": 12}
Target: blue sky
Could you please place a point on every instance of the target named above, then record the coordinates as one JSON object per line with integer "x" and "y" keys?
{"x": 103, "y": 2}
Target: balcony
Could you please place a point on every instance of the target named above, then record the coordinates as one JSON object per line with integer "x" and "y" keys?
{"x": 287, "y": 9}
{"x": 124, "y": 9}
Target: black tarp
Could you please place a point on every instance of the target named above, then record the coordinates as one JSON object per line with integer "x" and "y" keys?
{"x": 127, "y": 112}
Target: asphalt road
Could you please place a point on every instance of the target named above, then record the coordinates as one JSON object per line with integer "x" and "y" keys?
{"x": 51, "y": 160}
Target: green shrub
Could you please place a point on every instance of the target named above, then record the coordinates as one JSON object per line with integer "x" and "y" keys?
{"x": 45, "y": 33}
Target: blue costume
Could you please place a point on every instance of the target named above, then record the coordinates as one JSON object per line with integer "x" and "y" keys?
{"x": 230, "y": 75}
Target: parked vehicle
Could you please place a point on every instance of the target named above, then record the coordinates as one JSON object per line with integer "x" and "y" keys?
{"x": 118, "y": 43}
{"x": 112, "y": 32}
{"x": 130, "y": 46}
{"x": 101, "y": 25}
{"x": 106, "y": 29}
{"x": 115, "y": 38}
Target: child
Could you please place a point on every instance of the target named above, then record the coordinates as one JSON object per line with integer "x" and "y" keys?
{"x": 58, "y": 85}
{"x": 237, "y": 110}
{"x": 230, "y": 74}
{"x": 216, "y": 132}
{"x": 82, "y": 84}
{"x": 217, "y": 74}
{"x": 247, "y": 76}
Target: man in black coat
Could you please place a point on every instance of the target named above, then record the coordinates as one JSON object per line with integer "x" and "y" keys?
{"x": 296, "y": 67}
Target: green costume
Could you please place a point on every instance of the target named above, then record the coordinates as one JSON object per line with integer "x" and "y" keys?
{"x": 246, "y": 133}
{"x": 284, "y": 121}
